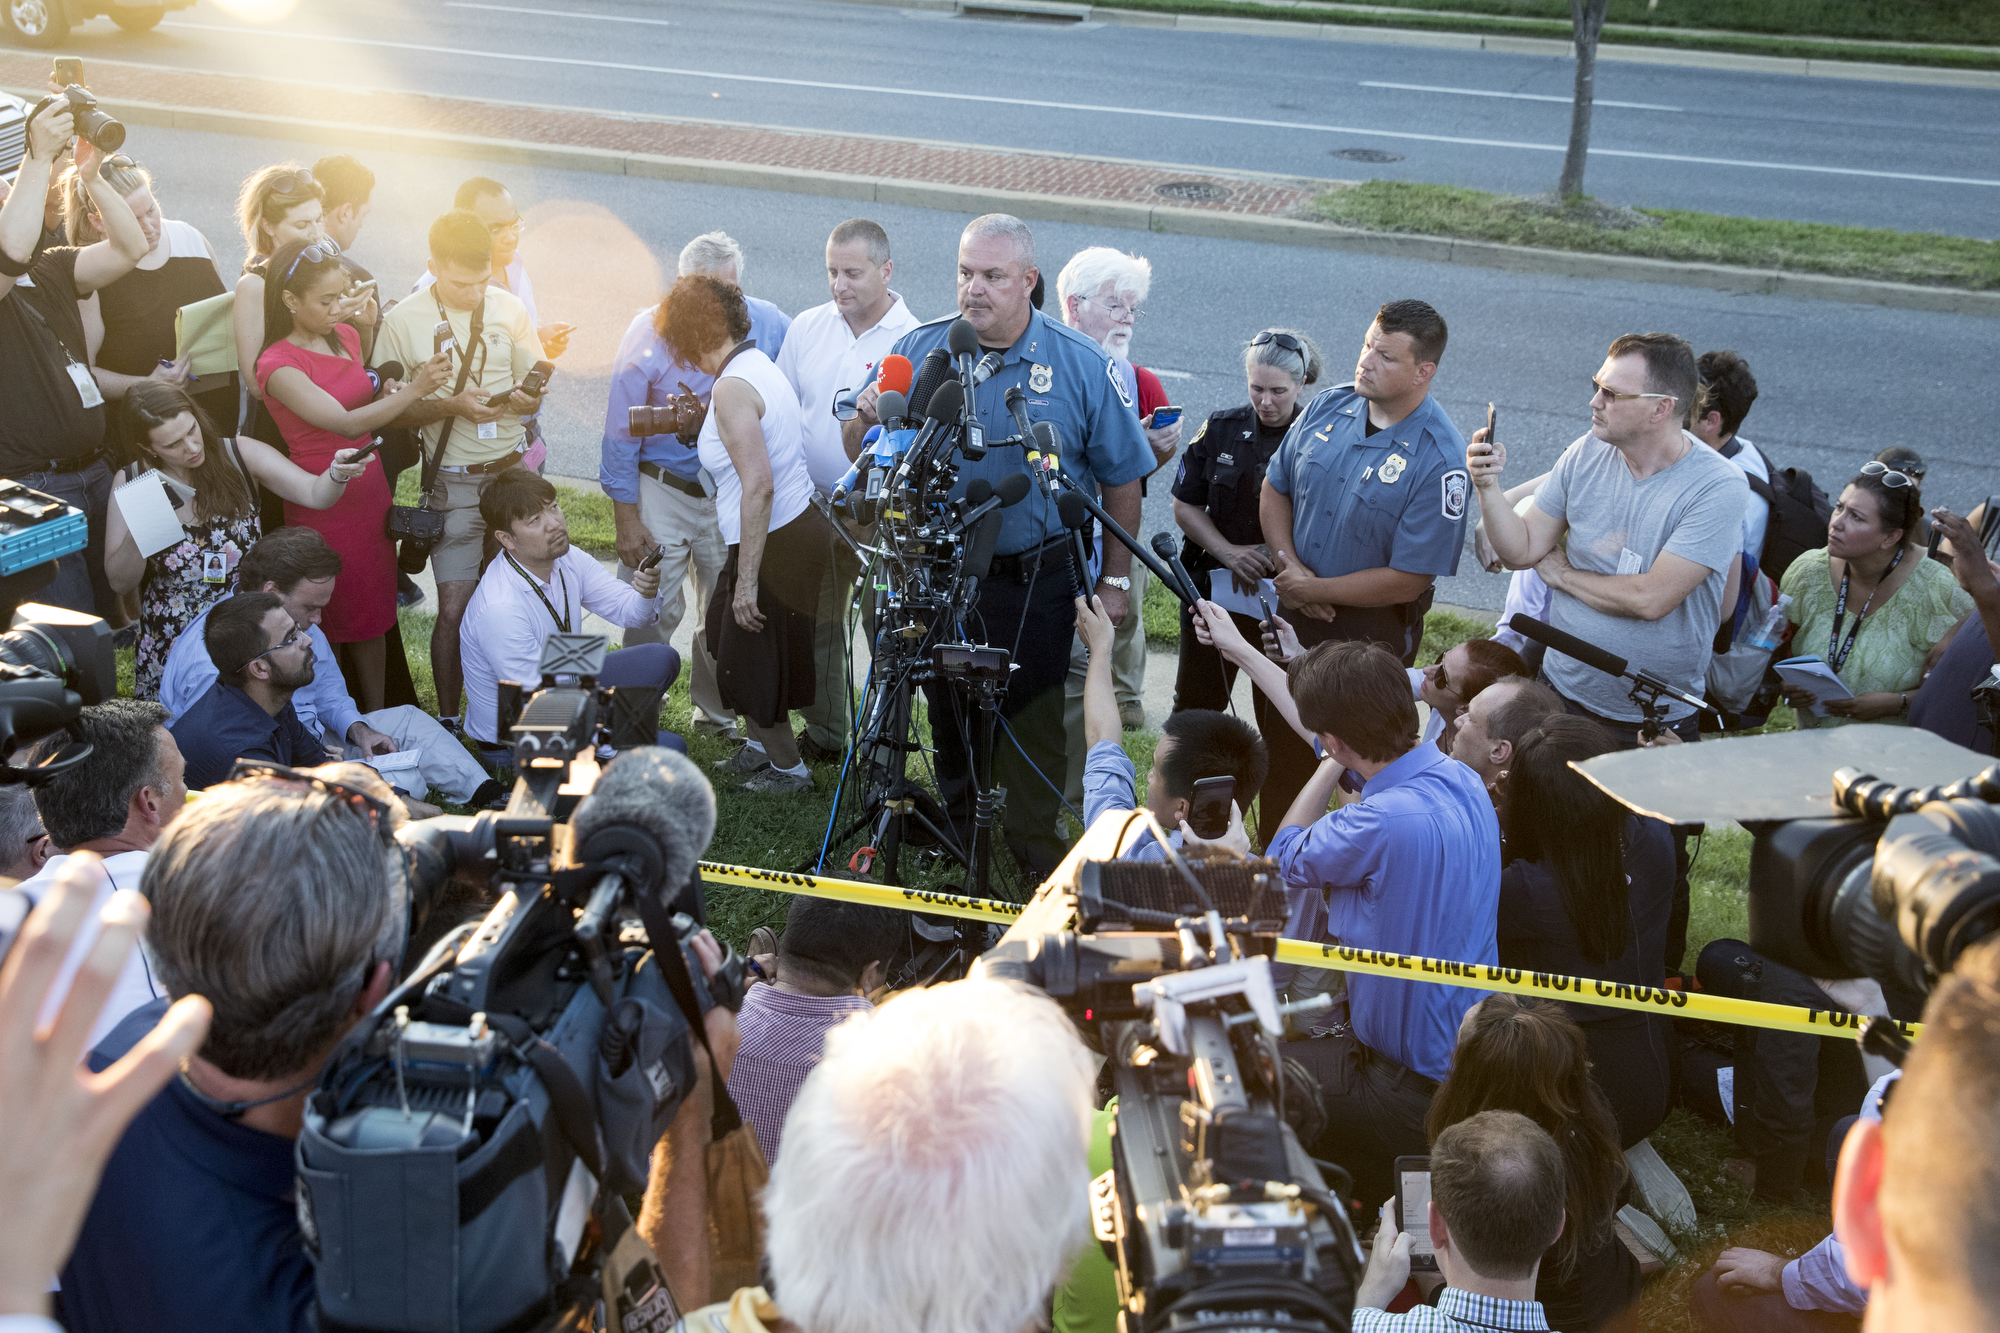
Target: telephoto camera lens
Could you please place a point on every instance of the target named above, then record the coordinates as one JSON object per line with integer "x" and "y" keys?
{"x": 93, "y": 124}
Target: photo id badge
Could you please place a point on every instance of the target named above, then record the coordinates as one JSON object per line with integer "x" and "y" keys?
{"x": 214, "y": 567}
{"x": 86, "y": 385}
{"x": 489, "y": 430}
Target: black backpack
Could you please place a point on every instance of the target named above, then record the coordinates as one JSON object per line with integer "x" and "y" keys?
{"x": 1800, "y": 511}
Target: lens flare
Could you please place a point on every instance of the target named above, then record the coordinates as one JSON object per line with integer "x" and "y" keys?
{"x": 590, "y": 270}
{"x": 258, "y": 11}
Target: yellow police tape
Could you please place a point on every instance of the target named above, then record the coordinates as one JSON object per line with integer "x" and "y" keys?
{"x": 1369, "y": 962}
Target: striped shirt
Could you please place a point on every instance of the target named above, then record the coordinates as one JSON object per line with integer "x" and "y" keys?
{"x": 782, "y": 1036}
{"x": 1456, "y": 1310}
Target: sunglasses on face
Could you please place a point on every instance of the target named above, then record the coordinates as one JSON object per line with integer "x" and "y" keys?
{"x": 1598, "y": 386}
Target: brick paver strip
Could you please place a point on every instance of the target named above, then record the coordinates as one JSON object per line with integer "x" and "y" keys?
{"x": 889, "y": 159}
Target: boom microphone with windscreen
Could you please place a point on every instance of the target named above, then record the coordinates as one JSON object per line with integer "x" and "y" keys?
{"x": 1550, "y": 637}
{"x": 650, "y": 817}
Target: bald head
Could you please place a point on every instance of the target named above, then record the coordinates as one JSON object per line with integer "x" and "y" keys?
{"x": 1496, "y": 720}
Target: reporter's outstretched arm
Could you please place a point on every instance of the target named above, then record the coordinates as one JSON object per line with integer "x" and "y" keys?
{"x": 1100, "y": 701}
{"x": 1214, "y": 627}
{"x": 58, "y": 1121}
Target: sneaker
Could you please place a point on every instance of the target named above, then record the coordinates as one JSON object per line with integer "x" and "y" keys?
{"x": 452, "y": 725}
{"x": 1132, "y": 717}
{"x": 407, "y": 591}
{"x": 769, "y": 779}
{"x": 747, "y": 760}
{"x": 813, "y": 752}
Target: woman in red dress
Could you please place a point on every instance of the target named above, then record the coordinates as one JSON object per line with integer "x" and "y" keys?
{"x": 322, "y": 397}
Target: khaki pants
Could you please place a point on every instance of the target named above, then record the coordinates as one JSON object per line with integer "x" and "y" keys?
{"x": 832, "y": 711}
{"x": 685, "y": 525}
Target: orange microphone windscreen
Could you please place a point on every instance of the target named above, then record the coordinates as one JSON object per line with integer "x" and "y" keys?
{"x": 895, "y": 373}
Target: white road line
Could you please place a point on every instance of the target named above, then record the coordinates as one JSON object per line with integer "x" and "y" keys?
{"x": 294, "y": 36}
{"x": 1472, "y": 92}
{"x": 567, "y": 14}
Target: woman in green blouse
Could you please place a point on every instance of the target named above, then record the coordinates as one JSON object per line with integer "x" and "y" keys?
{"x": 1870, "y": 605}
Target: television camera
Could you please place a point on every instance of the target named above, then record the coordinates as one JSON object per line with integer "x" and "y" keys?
{"x": 53, "y": 661}
{"x": 1215, "y": 1215}
{"x": 467, "y": 1148}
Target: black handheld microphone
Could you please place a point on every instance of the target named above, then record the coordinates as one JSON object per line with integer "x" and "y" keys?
{"x": 963, "y": 340}
{"x": 982, "y": 497}
{"x": 1568, "y": 644}
{"x": 932, "y": 373}
{"x": 946, "y": 405}
{"x": 979, "y": 550}
{"x": 1182, "y": 582}
{"x": 1076, "y": 518}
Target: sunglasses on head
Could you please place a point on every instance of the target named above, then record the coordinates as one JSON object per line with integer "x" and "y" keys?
{"x": 291, "y": 182}
{"x": 1890, "y": 477}
{"x": 1284, "y": 340}
{"x": 372, "y": 808}
{"x": 312, "y": 254}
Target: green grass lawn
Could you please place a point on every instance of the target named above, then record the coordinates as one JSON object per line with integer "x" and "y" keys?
{"x": 591, "y": 525}
{"x": 1661, "y": 233}
{"x": 1953, "y": 33}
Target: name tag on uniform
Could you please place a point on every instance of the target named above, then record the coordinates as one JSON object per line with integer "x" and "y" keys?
{"x": 86, "y": 385}
{"x": 489, "y": 430}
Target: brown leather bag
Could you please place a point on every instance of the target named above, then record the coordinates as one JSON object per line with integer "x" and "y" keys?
{"x": 737, "y": 1174}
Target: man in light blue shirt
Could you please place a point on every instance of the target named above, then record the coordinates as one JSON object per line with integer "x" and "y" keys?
{"x": 298, "y": 566}
{"x": 1412, "y": 867}
{"x": 659, "y": 495}
{"x": 1195, "y": 743}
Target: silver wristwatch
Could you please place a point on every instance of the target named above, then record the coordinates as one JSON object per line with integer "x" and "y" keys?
{"x": 1121, "y": 583}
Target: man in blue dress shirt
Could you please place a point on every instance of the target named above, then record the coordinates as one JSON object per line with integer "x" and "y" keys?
{"x": 1412, "y": 867}
{"x": 655, "y": 482}
{"x": 1363, "y": 506}
{"x": 263, "y": 657}
{"x": 1025, "y": 603}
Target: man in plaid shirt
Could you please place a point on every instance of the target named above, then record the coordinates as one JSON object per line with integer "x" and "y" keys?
{"x": 1496, "y": 1205}
{"x": 831, "y": 956}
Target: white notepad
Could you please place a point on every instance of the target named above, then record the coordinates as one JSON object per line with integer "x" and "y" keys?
{"x": 148, "y": 513}
{"x": 1810, "y": 673}
{"x": 1222, "y": 591}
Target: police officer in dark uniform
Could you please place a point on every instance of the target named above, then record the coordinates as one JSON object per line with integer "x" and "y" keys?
{"x": 1216, "y": 494}
{"x": 1364, "y": 507}
{"x": 1025, "y": 603}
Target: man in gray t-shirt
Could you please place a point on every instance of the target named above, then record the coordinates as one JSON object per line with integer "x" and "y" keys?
{"x": 1653, "y": 520}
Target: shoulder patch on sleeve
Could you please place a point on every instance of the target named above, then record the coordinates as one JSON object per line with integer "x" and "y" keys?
{"x": 1200, "y": 431}
{"x": 1453, "y": 483}
{"x": 1118, "y": 382}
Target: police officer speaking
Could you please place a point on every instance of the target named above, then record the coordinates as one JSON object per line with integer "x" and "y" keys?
{"x": 1025, "y": 601}
{"x": 1364, "y": 506}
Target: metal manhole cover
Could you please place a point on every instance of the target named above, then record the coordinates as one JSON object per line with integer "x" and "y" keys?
{"x": 1201, "y": 192}
{"x": 1367, "y": 155}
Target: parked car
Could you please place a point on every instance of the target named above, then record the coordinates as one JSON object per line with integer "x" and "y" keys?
{"x": 46, "y": 23}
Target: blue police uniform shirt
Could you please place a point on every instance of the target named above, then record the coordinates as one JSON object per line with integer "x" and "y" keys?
{"x": 647, "y": 373}
{"x": 1071, "y": 382}
{"x": 193, "y": 1226}
{"x": 1395, "y": 499}
{"x": 1412, "y": 867}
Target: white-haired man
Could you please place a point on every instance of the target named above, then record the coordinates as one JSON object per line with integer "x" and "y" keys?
{"x": 990, "y": 1091}
{"x": 659, "y": 493}
{"x": 829, "y": 348}
{"x": 1099, "y": 292}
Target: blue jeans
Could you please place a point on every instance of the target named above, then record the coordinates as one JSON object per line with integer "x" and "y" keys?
{"x": 79, "y": 583}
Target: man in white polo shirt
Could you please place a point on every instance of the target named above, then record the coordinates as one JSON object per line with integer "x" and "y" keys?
{"x": 829, "y": 348}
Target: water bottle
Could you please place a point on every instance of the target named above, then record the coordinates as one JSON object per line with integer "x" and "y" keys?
{"x": 1768, "y": 635}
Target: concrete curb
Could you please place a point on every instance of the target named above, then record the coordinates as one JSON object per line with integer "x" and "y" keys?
{"x": 1244, "y": 26}
{"x": 1065, "y": 208}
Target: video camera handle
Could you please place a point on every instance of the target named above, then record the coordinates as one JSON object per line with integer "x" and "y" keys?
{"x": 1647, "y": 686}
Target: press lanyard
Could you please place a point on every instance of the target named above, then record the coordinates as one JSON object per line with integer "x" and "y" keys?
{"x": 1836, "y": 651}
{"x": 562, "y": 622}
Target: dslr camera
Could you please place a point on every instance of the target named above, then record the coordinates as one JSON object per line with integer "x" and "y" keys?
{"x": 1216, "y": 1217}
{"x": 100, "y": 129}
{"x": 680, "y": 416}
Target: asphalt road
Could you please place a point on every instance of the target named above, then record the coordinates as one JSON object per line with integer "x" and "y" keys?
{"x": 1838, "y": 382}
{"x": 1825, "y": 150}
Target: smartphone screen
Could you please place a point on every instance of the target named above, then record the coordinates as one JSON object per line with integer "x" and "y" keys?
{"x": 1165, "y": 416}
{"x": 1208, "y": 812}
{"x": 69, "y": 70}
{"x": 1413, "y": 1215}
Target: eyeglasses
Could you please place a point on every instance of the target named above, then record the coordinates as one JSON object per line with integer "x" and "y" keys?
{"x": 315, "y": 254}
{"x": 282, "y": 644}
{"x": 511, "y": 224}
{"x": 1441, "y": 680}
{"x": 371, "y": 808}
{"x": 1116, "y": 309}
{"x": 1890, "y": 477}
{"x": 1600, "y": 387}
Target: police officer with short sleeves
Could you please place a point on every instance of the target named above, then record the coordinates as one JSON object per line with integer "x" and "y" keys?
{"x": 1363, "y": 507}
{"x": 1025, "y": 603}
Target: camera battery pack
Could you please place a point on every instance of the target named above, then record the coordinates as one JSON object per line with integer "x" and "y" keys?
{"x": 35, "y": 528}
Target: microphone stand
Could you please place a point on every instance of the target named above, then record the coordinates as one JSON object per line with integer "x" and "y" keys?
{"x": 1126, "y": 539}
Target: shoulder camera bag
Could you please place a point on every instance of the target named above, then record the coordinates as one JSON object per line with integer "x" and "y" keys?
{"x": 420, "y": 527}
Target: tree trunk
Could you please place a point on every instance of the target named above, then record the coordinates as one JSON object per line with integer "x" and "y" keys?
{"x": 1587, "y": 22}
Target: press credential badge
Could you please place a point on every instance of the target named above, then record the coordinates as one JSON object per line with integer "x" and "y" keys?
{"x": 86, "y": 385}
